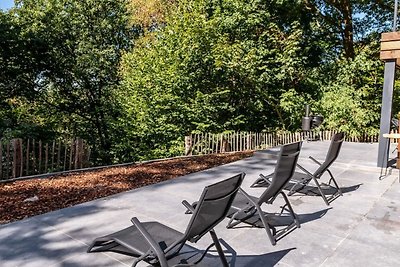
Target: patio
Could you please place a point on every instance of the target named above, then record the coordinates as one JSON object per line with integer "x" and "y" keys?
{"x": 361, "y": 228}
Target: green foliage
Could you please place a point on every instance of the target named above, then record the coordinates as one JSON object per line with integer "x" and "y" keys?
{"x": 133, "y": 77}
{"x": 81, "y": 43}
{"x": 214, "y": 67}
{"x": 351, "y": 101}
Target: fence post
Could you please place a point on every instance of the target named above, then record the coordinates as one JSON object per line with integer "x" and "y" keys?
{"x": 1, "y": 161}
{"x": 188, "y": 145}
{"x": 27, "y": 157}
{"x": 46, "y": 158}
{"x": 78, "y": 153}
{"x": 17, "y": 157}
{"x": 40, "y": 156}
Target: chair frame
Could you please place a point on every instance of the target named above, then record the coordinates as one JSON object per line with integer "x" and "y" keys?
{"x": 254, "y": 207}
{"x": 338, "y": 139}
{"x": 315, "y": 178}
{"x": 156, "y": 255}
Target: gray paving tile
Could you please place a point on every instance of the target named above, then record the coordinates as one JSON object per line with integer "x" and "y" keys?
{"x": 355, "y": 253}
{"x": 31, "y": 243}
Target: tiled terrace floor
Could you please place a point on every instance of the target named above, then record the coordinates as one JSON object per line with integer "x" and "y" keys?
{"x": 362, "y": 228}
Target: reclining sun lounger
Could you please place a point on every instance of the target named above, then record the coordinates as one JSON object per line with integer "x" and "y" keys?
{"x": 300, "y": 180}
{"x": 158, "y": 244}
{"x": 247, "y": 209}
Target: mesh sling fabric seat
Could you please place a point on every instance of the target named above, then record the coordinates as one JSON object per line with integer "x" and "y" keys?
{"x": 247, "y": 209}
{"x": 159, "y": 245}
{"x": 300, "y": 180}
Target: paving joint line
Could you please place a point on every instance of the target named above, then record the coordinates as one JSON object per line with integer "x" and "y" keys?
{"x": 364, "y": 218}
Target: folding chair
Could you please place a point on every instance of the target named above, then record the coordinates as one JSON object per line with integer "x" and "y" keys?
{"x": 160, "y": 245}
{"x": 247, "y": 209}
{"x": 301, "y": 180}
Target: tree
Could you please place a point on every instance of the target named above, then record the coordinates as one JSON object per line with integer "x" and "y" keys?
{"x": 21, "y": 62}
{"x": 215, "y": 66}
{"x": 351, "y": 101}
{"x": 345, "y": 20}
{"x": 83, "y": 42}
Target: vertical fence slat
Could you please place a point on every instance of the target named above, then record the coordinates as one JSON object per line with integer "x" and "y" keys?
{"x": 46, "y": 156}
{"x": 8, "y": 161}
{"x": 1, "y": 160}
{"x": 65, "y": 157}
{"x": 17, "y": 163}
{"x": 21, "y": 157}
{"x": 52, "y": 155}
{"x": 78, "y": 153}
{"x": 27, "y": 158}
{"x": 58, "y": 155}
{"x": 33, "y": 157}
{"x": 40, "y": 157}
{"x": 70, "y": 155}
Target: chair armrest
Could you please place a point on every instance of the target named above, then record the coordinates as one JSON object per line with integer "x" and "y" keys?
{"x": 265, "y": 178}
{"x": 258, "y": 208}
{"x": 304, "y": 170}
{"x": 247, "y": 196}
{"x": 316, "y": 161}
{"x": 190, "y": 207}
{"x": 153, "y": 244}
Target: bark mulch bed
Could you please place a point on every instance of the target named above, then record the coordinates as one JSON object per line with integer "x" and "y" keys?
{"x": 56, "y": 192}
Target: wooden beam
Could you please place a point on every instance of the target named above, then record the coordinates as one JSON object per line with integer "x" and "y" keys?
{"x": 392, "y": 54}
{"x": 392, "y": 45}
{"x": 390, "y": 36}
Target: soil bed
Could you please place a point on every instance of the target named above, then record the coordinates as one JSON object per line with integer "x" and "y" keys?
{"x": 56, "y": 192}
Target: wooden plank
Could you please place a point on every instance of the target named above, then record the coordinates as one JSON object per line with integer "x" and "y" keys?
{"x": 8, "y": 161}
{"x": 221, "y": 143}
{"x": 210, "y": 143}
{"x": 390, "y": 36}
{"x": 58, "y": 155}
{"x": 240, "y": 141}
{"x": 1, "y": 160}
{"x": 21, "y": 157}
{"x": 33, "y": 156}
{"x": 65, "y": 156}
{"x": 70, "y": 154}
{"x": 46, "y": 158}
{"x": 27, "y": 157}
{"x": 88, "y": 156}
{"x": 214, "y": 143}
{"x": 393, "y": 45}
{"x": 196, "y": 142}
{"x": 53, "y": 149}
{"x": 17, "y": 164}
{"x": 78, "y": 153}
{"x": 40, "y": 157}
{"x": 392, "y": 54}
{"x": 14, "y": 158}
{"x": 188, "y": 145}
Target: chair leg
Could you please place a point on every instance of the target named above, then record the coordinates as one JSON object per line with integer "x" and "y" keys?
{"x": 295, "y": 219}
{"x": 219, "y": 248}
{"x": 320, "y": 190}
{"x": 268, "y": 229}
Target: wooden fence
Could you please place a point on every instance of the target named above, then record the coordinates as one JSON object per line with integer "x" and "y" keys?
{"x": 206, "y": 143}
{"x": 24, "y": 158}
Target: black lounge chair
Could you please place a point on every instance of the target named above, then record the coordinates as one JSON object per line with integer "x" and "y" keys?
{"x": 299, "y": 180}
{"x": 247, "y": 209}
{"x": 160, "y": 245}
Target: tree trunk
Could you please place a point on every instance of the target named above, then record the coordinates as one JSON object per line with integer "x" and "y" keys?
{"x": 348, "y": 42}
